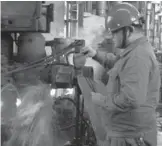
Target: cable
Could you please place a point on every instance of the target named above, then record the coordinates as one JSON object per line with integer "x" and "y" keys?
{"x": 71, "y": 100}
{"x": 23, "y": 69}
{"x": 34, "y": 66}
{"x": 39, "y": 61}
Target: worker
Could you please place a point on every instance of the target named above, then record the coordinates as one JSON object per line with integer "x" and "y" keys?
{"x": 134, "y": 82}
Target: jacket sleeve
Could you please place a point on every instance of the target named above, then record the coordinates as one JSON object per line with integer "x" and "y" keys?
{"x": 107, "y": 60}
{"x": 133, "y": 86}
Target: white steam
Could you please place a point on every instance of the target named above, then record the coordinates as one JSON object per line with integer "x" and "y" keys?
{"x": 93, "y": 29}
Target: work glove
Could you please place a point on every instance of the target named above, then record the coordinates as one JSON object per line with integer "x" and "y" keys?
{"x": 89, "y": 51}
{"x": 79, "y": 60}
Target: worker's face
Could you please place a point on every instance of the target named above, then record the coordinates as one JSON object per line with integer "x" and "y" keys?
{"x": 117, "y": 38}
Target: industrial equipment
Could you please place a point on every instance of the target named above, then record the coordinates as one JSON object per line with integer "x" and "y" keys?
{"x": 22, "y": 25}
{"x": 57, "y": 71}
{"x": 26, "y": 16}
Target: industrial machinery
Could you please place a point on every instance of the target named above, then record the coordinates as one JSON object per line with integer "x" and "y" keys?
{"x": 23, "y": 22}
{"x": 22, "y": 25}
{"x": 57, "y": 71}
{"x": 16, "y": 17}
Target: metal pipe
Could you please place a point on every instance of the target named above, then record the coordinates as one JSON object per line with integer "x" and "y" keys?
{"x": 160, "y": 28}
{"x": 81, "y": 13}
{"x": 148, "y": 15}
{"x": 88, "y": 6}
{"x": 68, "y": 17}
{"x": 156, "y": 31}
{"x": 101, "y": 8}
{"x": 160, "y": 33}
{"x": 74, "y": 19}
{"x": 143, "y": 13}
{"x": 77, "y": 18}
{"x": 73, "y": 12}
{"x": 153, "y": 24}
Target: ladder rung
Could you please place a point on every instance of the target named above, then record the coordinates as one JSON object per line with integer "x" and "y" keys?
{"x": 71, "y": 20}
{"x": 74, "y": 10}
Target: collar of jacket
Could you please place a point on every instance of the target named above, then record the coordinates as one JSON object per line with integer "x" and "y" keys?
{"x": 133, "y": 45}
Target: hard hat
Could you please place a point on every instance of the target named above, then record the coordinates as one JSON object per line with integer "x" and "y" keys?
{"x": 121, "y": 18}
{"x": 133, "y": 12}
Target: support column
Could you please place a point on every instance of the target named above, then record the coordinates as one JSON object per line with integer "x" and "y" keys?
{"x": 160, "y": 33}
{"x": 148, "y": 17}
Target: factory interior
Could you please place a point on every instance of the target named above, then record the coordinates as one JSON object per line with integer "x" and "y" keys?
{"x": 41, "y": 102}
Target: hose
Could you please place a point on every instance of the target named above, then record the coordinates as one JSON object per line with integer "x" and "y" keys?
{"x": 40, "y": 61}
{"x": 71, "y": 100}
{"x": 23, "y": 69}
{"x": 33, "y": 66}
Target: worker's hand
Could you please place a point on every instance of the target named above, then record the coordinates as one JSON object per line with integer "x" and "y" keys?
{"x": 98, "y": 98}
{"x": 89, "y": 51}
{"x": 79, "y": 60}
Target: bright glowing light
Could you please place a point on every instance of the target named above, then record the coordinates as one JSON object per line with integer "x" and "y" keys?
{"x": 69, "y": 91}
{"x": 18, "y": 102}
{"x": 53, "y": 92}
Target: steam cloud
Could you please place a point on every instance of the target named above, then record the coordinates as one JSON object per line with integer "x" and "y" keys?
{"x": 92, "y": 31}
